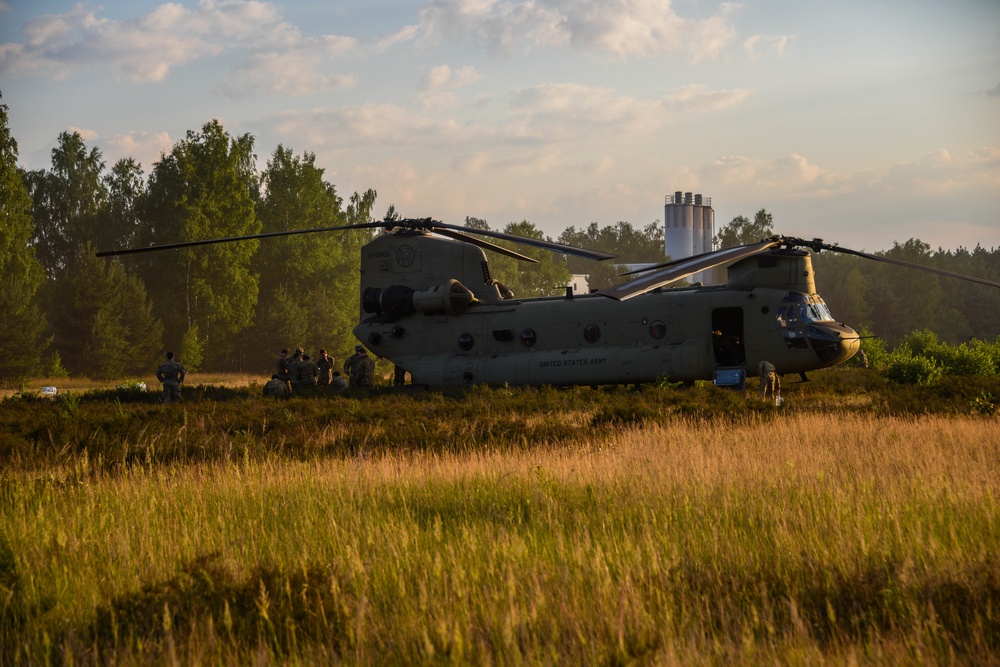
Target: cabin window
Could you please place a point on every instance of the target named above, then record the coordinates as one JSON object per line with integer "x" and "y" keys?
{"x": 529, "y": 338}
{"x": 657, "y": 329}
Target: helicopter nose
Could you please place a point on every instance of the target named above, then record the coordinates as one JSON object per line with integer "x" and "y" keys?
{"x": 833, "y": 343}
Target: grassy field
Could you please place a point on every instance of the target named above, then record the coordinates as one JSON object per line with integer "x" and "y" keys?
{"x": 856, "y": 524}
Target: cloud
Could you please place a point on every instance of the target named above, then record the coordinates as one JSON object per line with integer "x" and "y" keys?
{"x": 938, "y": 175}
{"x": 759, "y": 47}
{"x": 941, "y": 174}
{"x": 146, "y": 49}
{"x": 572, "y": 110}
{"x": 294, "y": 72}
{"x": 618, "y": 28}
{"x": 444, "y": 77}
{"x": 145, "y": 148}
{"x": 85, "y": 134}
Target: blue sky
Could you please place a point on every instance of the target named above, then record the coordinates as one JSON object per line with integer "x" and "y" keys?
{"x": 861, "y": 122}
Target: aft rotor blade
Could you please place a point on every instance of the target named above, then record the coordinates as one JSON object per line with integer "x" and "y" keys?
{"x": 683, "y": 268}
{"x": 911, "y": 265}
{"x": 265, "y": 235}
{"x": 538, "y": 243}
{"x": 459, "y": 236}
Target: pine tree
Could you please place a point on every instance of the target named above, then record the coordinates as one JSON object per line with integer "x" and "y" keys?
{"x": 21, "y": 321}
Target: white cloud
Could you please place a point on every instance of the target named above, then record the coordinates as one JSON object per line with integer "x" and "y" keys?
{"x": 146, "y": 49}
{"x": 85, "y": 134}
{"x": 619, "y": 28}
{"x": 568, "y": 110}
{"x": 144, "y": 147}
{"x": 941, "y": 174}
{"x": 759, "y": 47}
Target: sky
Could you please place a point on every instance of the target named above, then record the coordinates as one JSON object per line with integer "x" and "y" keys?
{"x": 861, "y": 122}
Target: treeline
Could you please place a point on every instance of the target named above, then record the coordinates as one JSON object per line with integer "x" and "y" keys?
{"x": 227, "y": 306}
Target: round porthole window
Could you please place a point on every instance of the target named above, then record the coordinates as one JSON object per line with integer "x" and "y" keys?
{"x": 465, "y": 342}
{"x": 529, "y": 338}
{"x": 592, "y": 333}
{"x": 657, "y": 329}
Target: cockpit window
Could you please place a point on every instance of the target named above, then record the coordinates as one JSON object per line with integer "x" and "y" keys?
{"x": 799, "y": 309}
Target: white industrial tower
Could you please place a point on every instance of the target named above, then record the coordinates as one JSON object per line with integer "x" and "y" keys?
{"x": 689, "y": 229}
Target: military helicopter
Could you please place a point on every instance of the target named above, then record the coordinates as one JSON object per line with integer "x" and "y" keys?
{"x": 431, "y": 306}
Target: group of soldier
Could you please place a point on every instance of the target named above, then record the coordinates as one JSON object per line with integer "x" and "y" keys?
{"x": 299, "y": 374}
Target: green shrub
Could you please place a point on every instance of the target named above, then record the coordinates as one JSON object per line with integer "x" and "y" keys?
{"x": 963, "y": 360}
{"x": 905, "y": 368}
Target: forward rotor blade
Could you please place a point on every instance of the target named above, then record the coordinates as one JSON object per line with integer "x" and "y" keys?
{"x": 265, "y": 235}
{"x": 911, "y": 265}
{"x": 486, "y": 245}
{"x": 538, "y": 243}
{"x": 683, "y": 268}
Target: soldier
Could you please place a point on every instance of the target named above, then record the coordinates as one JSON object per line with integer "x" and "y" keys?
{"x": 307, "y": 375}
{"x": 171, "y": 374}
{"x": 324, "y": 365}
{"x": 284, "y": 368}
{"x": 293, "y": 371}
{"x": 276, "y": 387}
{"x": 360, "y": 369}
{"x": 338, "y": 384}
{"x": 862, "y": 359}
{"x": 769, "y": 381}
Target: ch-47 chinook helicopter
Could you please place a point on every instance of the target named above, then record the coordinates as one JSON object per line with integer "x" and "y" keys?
{"x": 430, "y": 305}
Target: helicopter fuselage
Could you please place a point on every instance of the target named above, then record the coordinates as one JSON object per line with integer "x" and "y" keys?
{"x": 447, "y": 322}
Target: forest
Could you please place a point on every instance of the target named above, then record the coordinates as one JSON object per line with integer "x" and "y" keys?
{"x": 232, "y": 306}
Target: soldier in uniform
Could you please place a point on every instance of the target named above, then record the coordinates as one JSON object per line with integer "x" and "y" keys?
{"x": 360, "y": 369}
{"x": 324, "y": 366}
{"x": 276, "y": 387}
{"x": 293, "y": 371}
{"x": 307, "y": 375}
{"x": 338, "y": 383}
{"x": 770, "y": 383}
{"x": 284, "y": 368}
{"x": 171, "y": 374}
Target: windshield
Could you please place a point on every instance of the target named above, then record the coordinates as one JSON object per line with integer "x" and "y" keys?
{"x": 798, "y": 309}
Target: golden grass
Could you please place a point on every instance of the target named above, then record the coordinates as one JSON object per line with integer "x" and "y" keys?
{"x": 812, "y": 538}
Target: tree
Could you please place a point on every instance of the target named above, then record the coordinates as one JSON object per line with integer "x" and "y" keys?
{"x": 67, "y": 201}
{"x": 741, "y": 231}
{"x": 308, "y": 283}
{"x": 107, "y": 327}
{"x": 21, "y": 321}
{"x": 206, "y": 188}
{"x": 120, "y": 221}
{"x": 633, "y": 246}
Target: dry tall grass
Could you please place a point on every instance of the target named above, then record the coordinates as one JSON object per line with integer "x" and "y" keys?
{"x": 811, "y": 538}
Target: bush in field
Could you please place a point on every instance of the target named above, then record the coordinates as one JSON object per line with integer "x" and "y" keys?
{"x": 922, "y": 358}
{"x": 906, "y": 368}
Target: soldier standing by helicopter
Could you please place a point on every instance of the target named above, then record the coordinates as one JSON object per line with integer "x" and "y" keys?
{"x": 360, "y": 369}
{"x": 770, "y": 383}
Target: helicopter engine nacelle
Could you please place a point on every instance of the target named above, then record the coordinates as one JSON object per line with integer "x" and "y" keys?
{"x": 450, "y": 298}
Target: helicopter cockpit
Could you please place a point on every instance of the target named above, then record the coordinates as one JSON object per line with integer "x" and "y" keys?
{"x": 798, "y": 310}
